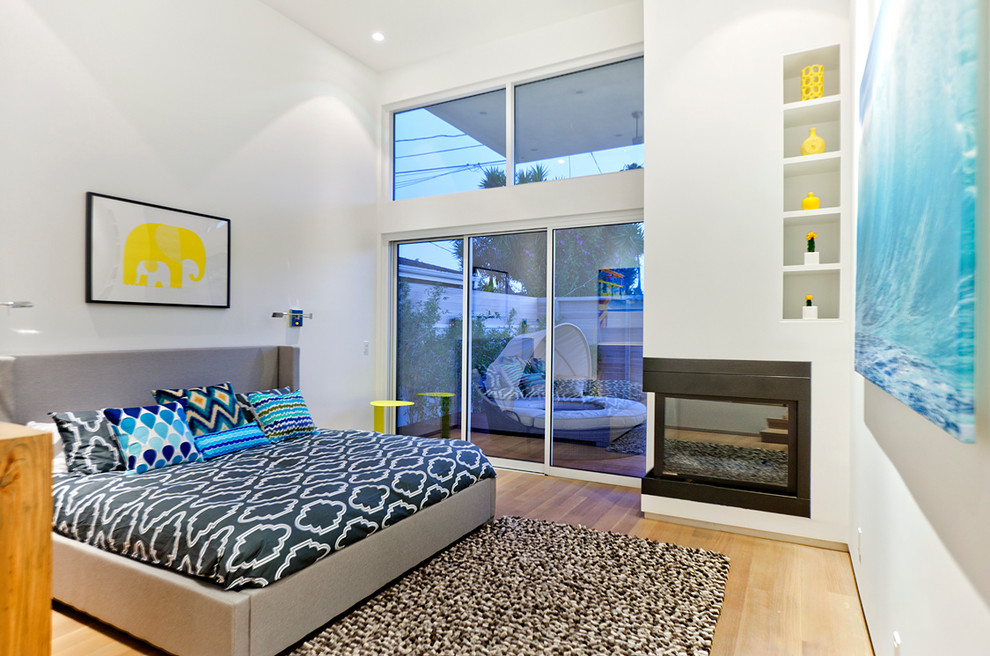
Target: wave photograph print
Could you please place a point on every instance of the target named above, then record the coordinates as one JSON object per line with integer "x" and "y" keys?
{"x": 917, "y": 209}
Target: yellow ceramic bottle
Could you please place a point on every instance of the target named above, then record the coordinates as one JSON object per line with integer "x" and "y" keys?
{"x": 812, "y": 202}
{"x": 813, "y": 145}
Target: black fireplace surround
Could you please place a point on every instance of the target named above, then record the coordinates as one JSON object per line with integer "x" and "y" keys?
{"x": 754, "y": 386}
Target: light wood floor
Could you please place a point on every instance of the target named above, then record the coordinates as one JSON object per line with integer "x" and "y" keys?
{"x": 572, "y": 455}
{"x": 781, "y": 599}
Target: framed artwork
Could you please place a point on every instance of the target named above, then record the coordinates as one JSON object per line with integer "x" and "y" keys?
{"x": 153, "y": 255}
{"x": 916, "y": 245}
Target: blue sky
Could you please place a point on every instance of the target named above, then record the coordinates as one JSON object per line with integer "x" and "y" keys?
{"x": 433, "y": 157}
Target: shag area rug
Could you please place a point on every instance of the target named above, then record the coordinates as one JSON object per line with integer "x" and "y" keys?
{"x": 631, "y": 443}
{"x": 524, "y": 587}
{"x": 737, "y": 463}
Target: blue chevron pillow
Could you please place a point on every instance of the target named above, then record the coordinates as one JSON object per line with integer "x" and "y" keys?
{"x": 209, "y": 409}
{"x": 282, "y": 416}
{"x": 212, "y": 445}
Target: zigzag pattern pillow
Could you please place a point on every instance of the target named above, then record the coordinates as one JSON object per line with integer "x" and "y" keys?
{"x": 212, "y": 445}
{"x": 90, "y": 444}
{"x": 209, "y": 409}
{"x": 282, "y": 416}
{"x": 153, "y": 436}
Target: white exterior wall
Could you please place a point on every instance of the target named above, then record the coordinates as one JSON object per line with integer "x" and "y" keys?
{"x": 224, "y": 108}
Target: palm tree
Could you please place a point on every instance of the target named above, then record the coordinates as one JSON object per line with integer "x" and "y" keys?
{"x": 537, "y": 173}
{"x": 494, "y": 177}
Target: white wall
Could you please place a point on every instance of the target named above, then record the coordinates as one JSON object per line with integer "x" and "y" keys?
{"x": 713, "y": 206}
{"x": 922, "y": 499}
{"x": 224, "y": 108}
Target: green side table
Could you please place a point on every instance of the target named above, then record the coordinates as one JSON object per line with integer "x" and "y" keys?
{"x": 444, "y": 410}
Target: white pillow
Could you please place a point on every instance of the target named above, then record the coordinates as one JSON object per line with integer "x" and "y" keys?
{"x": 58, "y": 449}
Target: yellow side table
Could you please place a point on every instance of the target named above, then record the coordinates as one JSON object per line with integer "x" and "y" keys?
{"x": 444, "y": 410}
{"x": 380, "y": 412}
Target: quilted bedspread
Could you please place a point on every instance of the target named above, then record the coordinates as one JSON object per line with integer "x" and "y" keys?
{"x": 250, "y": 518}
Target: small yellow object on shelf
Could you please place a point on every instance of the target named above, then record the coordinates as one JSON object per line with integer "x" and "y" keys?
{"x": 813, "y": 145}
{"x": 812, "y": 81}
{"x": 812, "y": 202}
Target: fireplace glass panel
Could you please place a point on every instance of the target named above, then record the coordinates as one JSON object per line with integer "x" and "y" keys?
{"x": 742, "y": 443}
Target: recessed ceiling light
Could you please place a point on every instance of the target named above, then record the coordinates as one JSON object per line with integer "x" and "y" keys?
{"x": 378, "y": 36}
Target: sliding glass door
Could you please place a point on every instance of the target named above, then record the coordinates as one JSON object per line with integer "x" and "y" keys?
{"x": 508, "y": 322}
{"x": 579, "y": 384}
{"x": 428, "y": 327}
{"x": 599, "y": 411}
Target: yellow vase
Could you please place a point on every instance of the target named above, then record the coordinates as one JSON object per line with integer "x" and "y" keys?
{"x": 812, "y": 202}
{"x": 812, "y": 81}
{"x": 813, "y": 145}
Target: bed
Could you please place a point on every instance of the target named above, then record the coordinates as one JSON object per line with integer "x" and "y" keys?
{"x": 192, "y": 616}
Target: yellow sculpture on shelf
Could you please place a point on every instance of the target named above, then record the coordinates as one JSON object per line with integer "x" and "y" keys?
{"x": 812, "y": 202}
{"x": 813, "y": 145}
{"x": 812, "y": 81}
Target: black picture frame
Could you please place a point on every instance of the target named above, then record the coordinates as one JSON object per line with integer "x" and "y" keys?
{"x": 141, "y": 253}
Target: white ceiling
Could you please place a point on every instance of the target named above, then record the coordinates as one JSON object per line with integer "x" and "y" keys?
{"x": 417, "y": 30}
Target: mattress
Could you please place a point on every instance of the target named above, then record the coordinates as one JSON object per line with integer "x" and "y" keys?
{"x": 253, "y": 517}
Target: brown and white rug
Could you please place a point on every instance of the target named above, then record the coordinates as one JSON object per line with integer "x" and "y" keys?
{"x": 521, "y": 587}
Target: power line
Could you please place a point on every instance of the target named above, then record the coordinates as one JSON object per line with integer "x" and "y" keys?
{"x": 433, "y": 136}
{"x": 455, "y": 166}
{"x": 445, "y": 150}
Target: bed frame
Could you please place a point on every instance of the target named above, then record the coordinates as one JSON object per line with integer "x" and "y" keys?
{"x": 182, "y": 614}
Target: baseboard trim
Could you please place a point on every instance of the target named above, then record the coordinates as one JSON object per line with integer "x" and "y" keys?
{"x": 754, "y": 533}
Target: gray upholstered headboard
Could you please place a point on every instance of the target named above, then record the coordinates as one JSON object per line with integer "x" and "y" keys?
{"x": 31, "y": 386}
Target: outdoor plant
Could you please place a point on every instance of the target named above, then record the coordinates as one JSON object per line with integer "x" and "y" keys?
{"x": 811, "y": 241}
{"x": 494, "y": 177}
{"x": 429, "y": 350}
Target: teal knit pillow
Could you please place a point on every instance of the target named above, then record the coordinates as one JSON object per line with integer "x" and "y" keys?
{"x": 212, "y": 445}
{"x": 282, "y": 416}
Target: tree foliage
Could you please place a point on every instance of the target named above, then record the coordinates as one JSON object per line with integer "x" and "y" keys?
{"x": 428, "y": 344}
{"x": 581, "y": 252}
{"x": 428, "y": 357}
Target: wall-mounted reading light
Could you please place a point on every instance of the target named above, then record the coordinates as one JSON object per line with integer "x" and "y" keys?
{"x": 295, "y": 317}
{"x": 17, "y": 304}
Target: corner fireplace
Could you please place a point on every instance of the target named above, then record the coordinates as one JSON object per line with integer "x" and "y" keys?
{"x": 731, "y": 432}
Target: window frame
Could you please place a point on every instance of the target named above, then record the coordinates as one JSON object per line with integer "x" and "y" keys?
{"x": 388, "y": 382}
{"x": 509, "y": 84}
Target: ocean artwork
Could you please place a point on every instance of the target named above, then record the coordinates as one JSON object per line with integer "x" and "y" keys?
{"x": 917, "y": 209}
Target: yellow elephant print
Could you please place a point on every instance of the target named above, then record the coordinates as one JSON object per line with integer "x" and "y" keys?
{"x": 152, "y": 244}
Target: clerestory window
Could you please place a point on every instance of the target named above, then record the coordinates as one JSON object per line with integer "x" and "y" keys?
{"x": 583, "y": 123}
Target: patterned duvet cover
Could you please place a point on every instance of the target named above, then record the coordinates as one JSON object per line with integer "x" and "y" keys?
{"x": 250, "y": 518}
